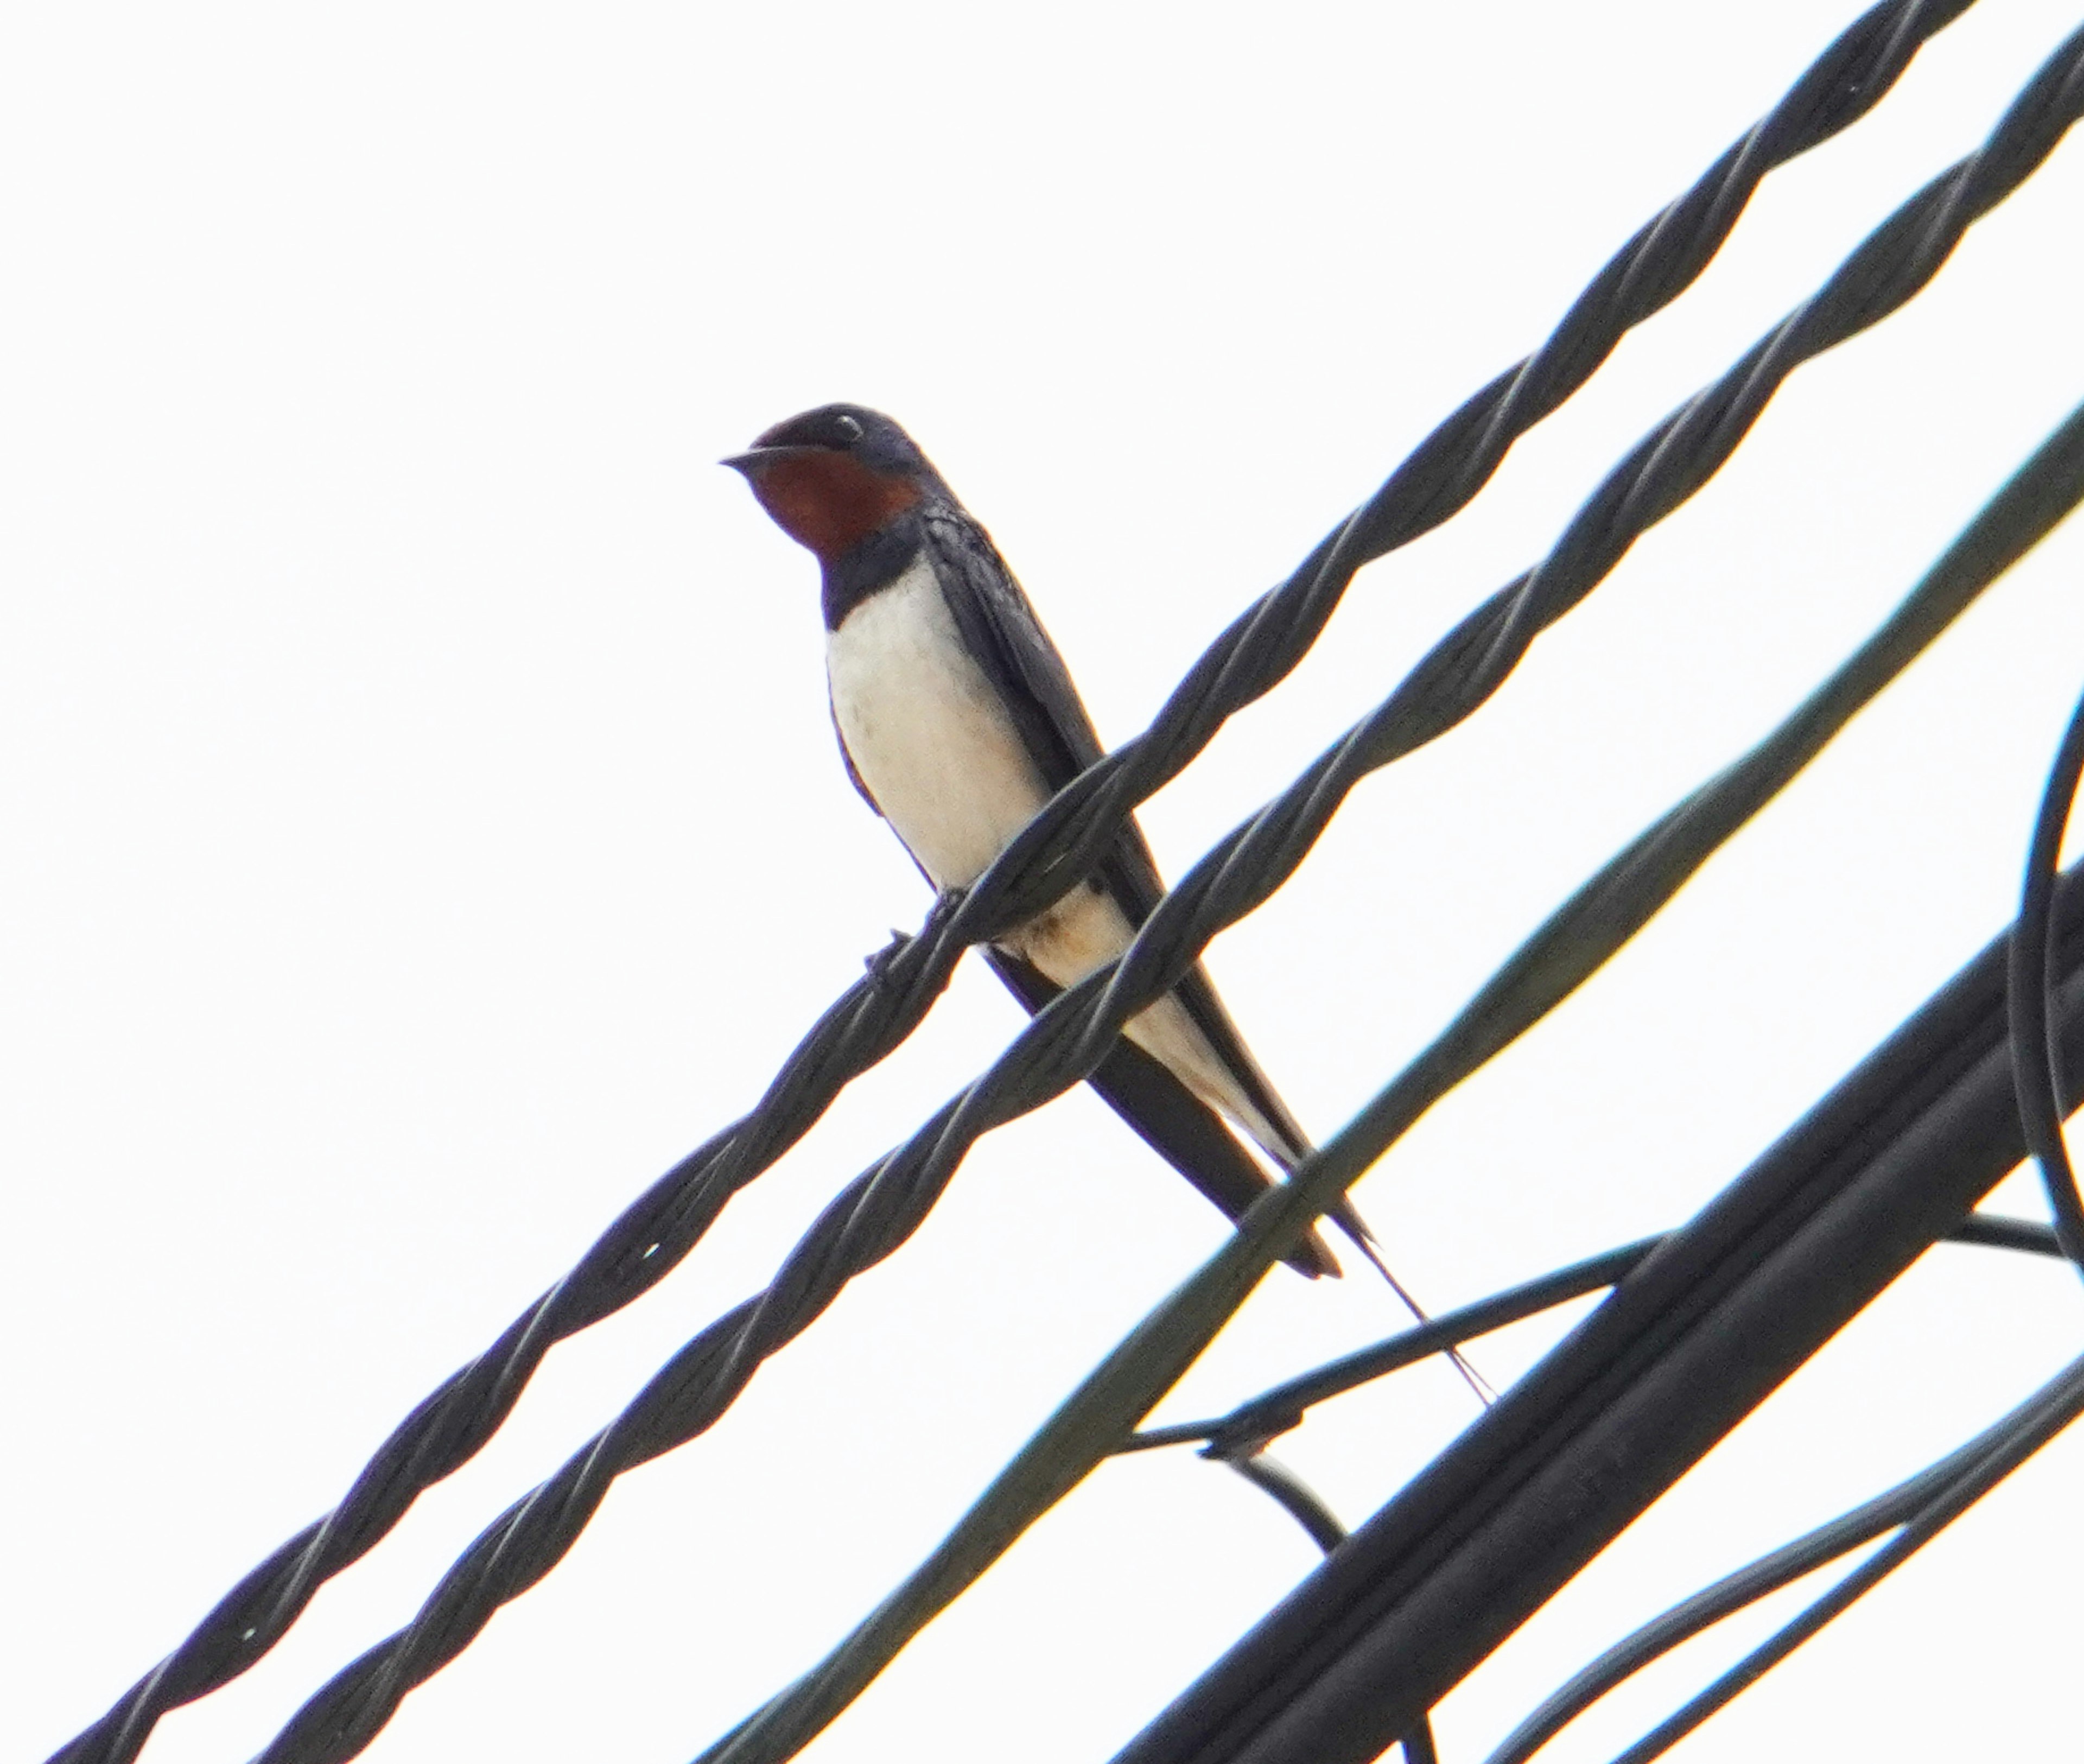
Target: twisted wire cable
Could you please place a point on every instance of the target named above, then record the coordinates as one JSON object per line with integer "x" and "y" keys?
{"x": 880, "y": 1209}
{"x": 1439, "y": 477}
{"x": 2030, "y": 977}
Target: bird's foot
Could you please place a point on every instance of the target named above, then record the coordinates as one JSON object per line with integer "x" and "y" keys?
{"x": 879, "y": 964}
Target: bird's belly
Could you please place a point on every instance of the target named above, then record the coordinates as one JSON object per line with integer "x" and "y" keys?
{"x": 927, "y": 732}
{"x": 1086, "y": 930}
{"x": 929, "y": 738}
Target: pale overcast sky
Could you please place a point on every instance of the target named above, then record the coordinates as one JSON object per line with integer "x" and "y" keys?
{"x": 423, "y": 825}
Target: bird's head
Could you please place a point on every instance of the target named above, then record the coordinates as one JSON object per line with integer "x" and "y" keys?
{"x": 833, "y": 475}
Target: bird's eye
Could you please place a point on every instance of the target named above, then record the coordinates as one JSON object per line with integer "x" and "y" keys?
{"x": 849, "y": 428}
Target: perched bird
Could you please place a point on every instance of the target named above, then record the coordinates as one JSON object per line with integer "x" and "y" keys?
{"x": 958, "y": 720}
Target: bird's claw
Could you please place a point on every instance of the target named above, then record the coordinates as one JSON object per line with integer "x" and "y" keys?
{"x": 946, "y": 904}
{"x": 877, "y": 964}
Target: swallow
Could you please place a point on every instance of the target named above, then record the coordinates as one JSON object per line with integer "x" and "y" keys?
{"x": 957, "y": 720}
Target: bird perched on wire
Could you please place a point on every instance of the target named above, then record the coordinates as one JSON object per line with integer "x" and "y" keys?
{"x": 958, "y": 720}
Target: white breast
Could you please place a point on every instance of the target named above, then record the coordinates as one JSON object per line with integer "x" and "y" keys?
{"x": 945, "y": 764}
{"x": 926, "y": 731}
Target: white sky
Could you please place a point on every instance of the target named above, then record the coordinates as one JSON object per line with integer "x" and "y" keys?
{"x": 422, "y": 823}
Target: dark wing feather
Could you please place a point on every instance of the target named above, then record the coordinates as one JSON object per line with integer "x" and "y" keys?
{"x": 999, "y": 625}
{"x": 1175, "y": 1123}
{"x": 1003, "y": 632}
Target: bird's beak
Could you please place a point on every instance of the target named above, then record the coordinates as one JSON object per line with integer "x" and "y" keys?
{"x": 758, "y": 459}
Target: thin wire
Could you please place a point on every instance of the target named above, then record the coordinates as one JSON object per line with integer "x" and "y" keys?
{"x": 1275, "y": 1411}
{"x": 1901, "y": 1505}
{"x": 2057, "y": 1405}
{"x": 1283, "y": 1407}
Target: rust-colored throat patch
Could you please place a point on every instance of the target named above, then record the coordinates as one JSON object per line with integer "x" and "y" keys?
{"x": 830, "y": 502}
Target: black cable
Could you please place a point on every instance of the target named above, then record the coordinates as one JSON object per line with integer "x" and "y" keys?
{"x": 2036, "y": 1072}
{"x": 1301, "y": 1503}
{"x": 1691, "y": 1341}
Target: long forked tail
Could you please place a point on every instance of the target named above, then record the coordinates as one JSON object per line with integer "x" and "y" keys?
{"x": 1348, "y": 1219}
{"x": 1210, "y": 1057}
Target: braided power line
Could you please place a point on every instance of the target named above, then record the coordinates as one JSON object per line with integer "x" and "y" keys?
{"x": 875, "y": 1213}
{"x": 874, "y": 1017}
